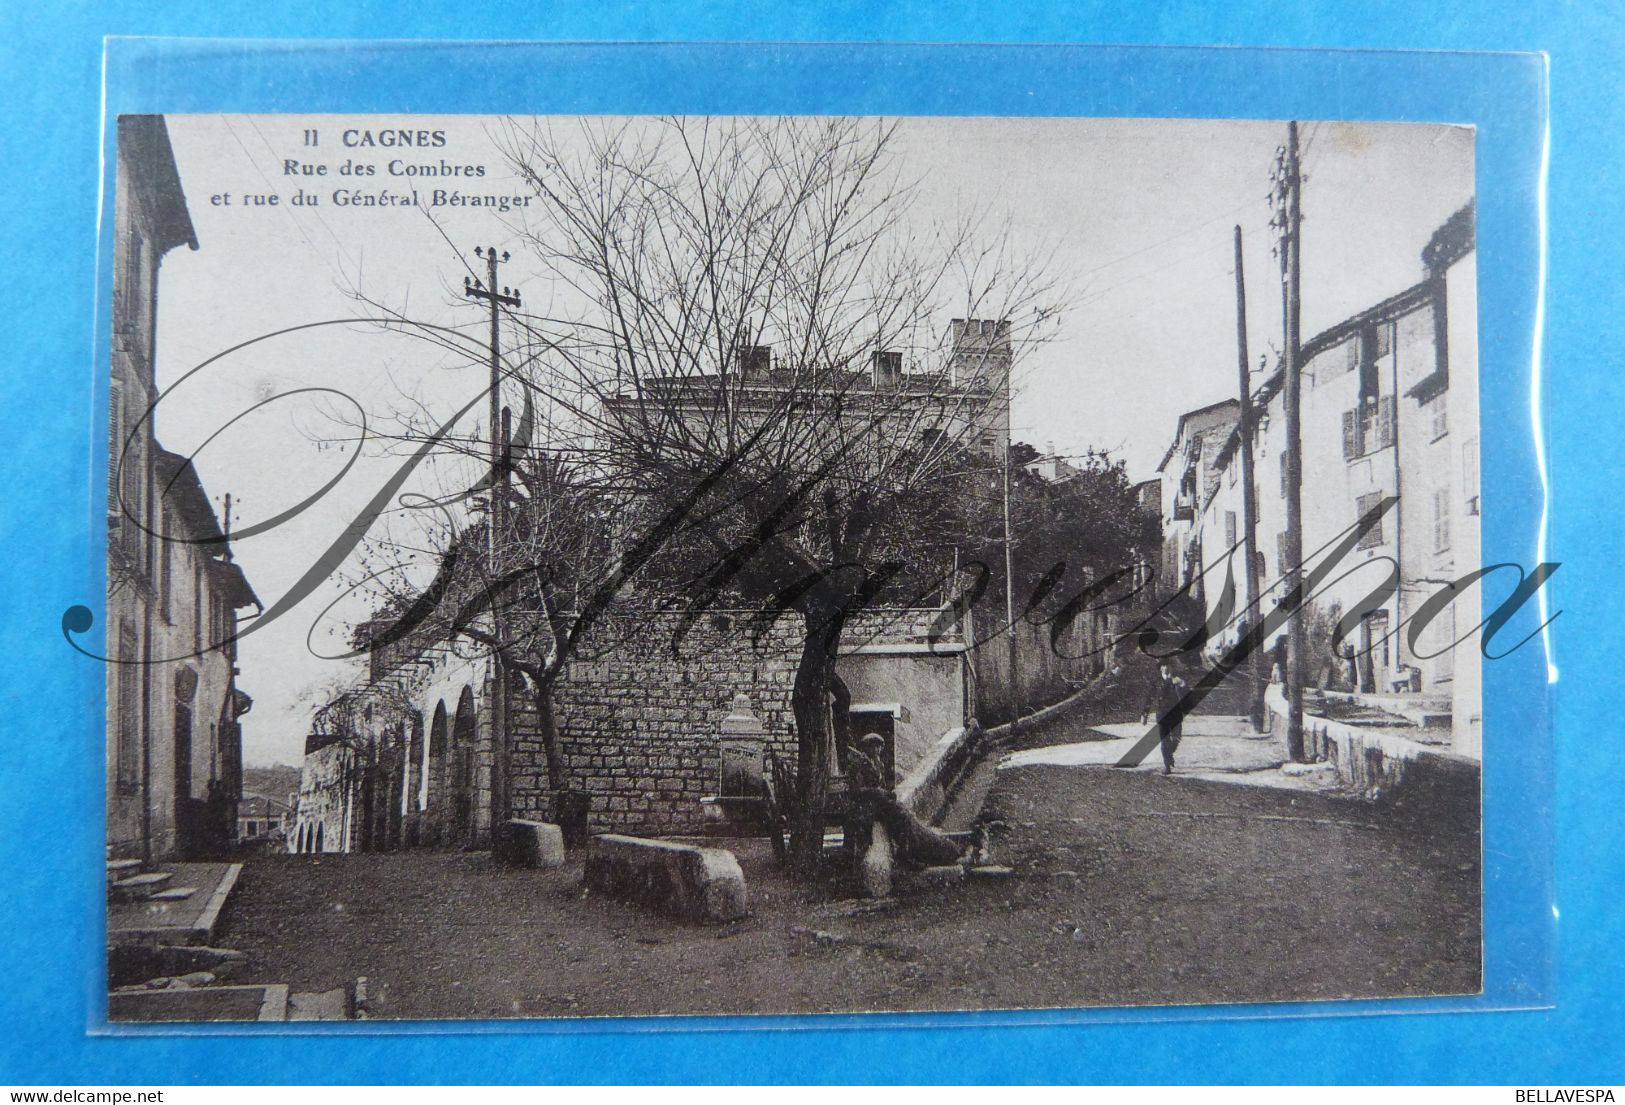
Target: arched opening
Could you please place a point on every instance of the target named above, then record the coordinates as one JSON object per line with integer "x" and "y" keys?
{"x": 463, "y": 736}
{"x": 318, "y": 837}
{"x": 414, "y": 790}
{"x": 435, "y": 817}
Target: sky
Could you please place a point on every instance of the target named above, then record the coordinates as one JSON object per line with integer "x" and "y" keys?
{"x": 1137, "y": 215}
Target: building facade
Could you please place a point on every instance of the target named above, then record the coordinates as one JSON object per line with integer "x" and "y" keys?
{"x": 1389, "y": 409}
{"x": 174, "y": 741}
{"x": 1188, "y": 475}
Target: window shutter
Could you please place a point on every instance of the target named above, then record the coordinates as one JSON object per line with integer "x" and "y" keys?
{"x": 1441, "y": 520}
{"x": 1363, "y": 506}
{"x": 128, "y": 720}
{"x": 115, "y": 441}
{"x": 1385, "y": 421}
{"x": 1351, "y": 434}
{"x": 1283, "y": 473}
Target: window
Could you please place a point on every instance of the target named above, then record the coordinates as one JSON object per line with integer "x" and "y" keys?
{"x": 1368, "y": 427}
{"x": 1370, "y": 352}
{"x": 930, "y": 439}
{"x": 1384, "y": 337}
{"x": 127, "y": 724}
{"x": 1438, "y": 411}
{"x": 1281, "y": 566}
{"x": 115, "y": 444}
{"x": 1441, "y": 520}
{"x": 253, "y": 827}
{"x": 1230, "y": 529}
{"x": 197, "y": 609}
{"x": 1376, "y": 627}
{"x": 1444, "y": 629}
{"x": 166, "y": 572}
{"x": 1372, "y": 537}
{"x": 132, "y": 305}
{"x": 1283, "y": 473}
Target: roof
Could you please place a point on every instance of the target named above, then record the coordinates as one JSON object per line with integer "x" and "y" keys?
{"x": 180, "y": 488}
{"x": 1179, "y": 429}
{"x": 144, "y": 149}
{"x": 854, "y": 383}
{"x": 235, "y": 585}
{"x": 1455, "y": 239}
{"x": 1402, "y": 303}
{"x": 258, "y": 805}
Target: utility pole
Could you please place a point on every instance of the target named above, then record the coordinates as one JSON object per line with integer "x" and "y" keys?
{"x": 495, "y": 525}
{"x": 1289, "y": 220}
{"x": 1010, "y": 601}
{"x": 1249, "y": 499}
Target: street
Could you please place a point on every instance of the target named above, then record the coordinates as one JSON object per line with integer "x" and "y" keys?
{"x": 1128, "y": 888}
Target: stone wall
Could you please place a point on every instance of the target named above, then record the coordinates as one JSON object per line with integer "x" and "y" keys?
{"x": 638, "y": 723}
{"x": 325, "y": 800}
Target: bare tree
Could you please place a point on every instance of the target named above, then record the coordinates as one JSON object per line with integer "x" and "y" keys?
{"x": 743, "y": 384}
{"x": 748, "y": 345}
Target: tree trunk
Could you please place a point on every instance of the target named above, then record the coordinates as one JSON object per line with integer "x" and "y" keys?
{"x": 810, "y": 702}
{"x": 547, "y": 725}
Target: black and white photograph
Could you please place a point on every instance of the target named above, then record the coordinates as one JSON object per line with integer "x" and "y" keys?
{"x": 633, "y": 566}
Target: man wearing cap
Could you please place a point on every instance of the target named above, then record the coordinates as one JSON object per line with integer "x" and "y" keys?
{"x": 872, "y": 800}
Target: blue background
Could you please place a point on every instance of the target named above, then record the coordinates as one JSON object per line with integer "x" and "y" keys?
{"x": 50, "y": 824}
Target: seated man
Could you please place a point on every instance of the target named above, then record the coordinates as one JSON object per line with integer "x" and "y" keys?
{"x": 913, "y": 841}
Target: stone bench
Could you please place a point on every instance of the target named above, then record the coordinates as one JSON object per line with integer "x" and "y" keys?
{"x": 529, "y": 844}
{"x": 679, "y": 880}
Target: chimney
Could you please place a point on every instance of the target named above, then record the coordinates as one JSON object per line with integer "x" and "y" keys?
{"x": 888, "y": 370}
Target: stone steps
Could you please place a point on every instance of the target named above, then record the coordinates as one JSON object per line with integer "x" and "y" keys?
{"x": 122, "y": 868}
{"x": 143, "y": 885}
{"x": 173, "y": 894}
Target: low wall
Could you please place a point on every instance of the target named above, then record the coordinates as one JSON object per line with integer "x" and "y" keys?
{"x": 929, "y": 788}
{"x": 1384, "y": 766}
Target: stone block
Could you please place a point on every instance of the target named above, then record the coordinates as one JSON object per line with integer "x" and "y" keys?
{"x": 874, "y": 870}
{"x": 679, "y": 880}
{"x": 529, "y": 844}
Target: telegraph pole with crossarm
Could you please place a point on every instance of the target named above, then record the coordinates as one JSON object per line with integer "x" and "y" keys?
{"x": 495, "y": 522}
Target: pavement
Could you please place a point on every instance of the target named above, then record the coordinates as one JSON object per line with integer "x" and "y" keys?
{"x": 1238, "y": 879}
{"x": 1126, "y": 888}
{"x": 1216, "y": 747}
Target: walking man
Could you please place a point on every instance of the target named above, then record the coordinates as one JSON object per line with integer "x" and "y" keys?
{"x": 1165, "y": 694}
